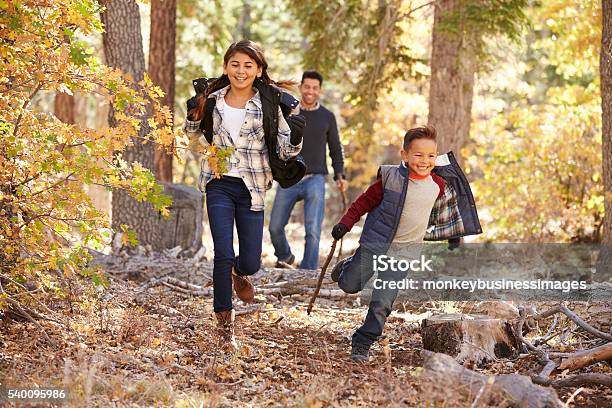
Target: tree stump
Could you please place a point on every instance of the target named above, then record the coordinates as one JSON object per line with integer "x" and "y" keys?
{"x": 184, "y": 227}
{"x": 469, "y": 338}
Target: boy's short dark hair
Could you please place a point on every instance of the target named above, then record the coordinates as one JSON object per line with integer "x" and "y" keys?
{"x": 312, "y": 74}
{"x": 421, "y": 132}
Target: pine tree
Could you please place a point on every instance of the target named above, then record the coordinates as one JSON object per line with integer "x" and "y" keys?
{"x": 162, "y": 58}
{"x": 123, "y": 49}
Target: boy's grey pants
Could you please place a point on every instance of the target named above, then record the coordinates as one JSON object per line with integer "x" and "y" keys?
{"x": 355, "y": 274}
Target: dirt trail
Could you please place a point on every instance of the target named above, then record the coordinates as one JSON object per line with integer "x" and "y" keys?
{"x": 124, "y": 347}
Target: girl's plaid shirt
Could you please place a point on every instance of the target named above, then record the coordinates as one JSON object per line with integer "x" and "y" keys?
{"x": 250, "y": 153}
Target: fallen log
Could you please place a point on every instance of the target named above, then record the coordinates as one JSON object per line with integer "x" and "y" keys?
{"x": 144, "y": 267}
{"x": 304, "y": 290}
{"x": 178, "y": 285}
{"x": 274, "y": 289}
{"x": 469, "y": 338}
{"x": 443, "y": 370}
{"x": 588, "y": 357}
{"x": 583, "y": 379}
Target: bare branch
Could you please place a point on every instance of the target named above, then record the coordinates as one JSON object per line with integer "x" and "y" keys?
{"x": 588, "y": 357}
{"x": 562, "y": 308}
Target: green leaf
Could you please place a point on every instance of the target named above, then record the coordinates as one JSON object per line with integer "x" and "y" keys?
{"x": 79, "y": 54}
{"x": 111, "y": 85}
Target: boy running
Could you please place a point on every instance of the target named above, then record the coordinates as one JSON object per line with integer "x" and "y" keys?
{"x": 425, "y": 197}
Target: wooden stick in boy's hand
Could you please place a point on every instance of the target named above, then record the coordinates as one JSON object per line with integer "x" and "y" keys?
{"x": 320, "y": 281}
{"x": 344, "y": 205}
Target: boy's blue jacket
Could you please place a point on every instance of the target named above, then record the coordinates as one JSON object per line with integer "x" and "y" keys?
{"x": 453, "y": 215}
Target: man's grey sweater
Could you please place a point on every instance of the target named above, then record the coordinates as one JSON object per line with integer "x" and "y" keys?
{"x": 321, "y": 130}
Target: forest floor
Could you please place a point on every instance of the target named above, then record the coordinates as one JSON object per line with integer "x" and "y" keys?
{"x": 125, "y": 346}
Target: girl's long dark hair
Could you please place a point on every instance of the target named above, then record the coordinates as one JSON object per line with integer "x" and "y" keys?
{"x": 255, "y": 52}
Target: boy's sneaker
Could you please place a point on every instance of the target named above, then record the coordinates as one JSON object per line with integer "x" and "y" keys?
{"x": 360, "y": 353}
{"x": 335, "y": 273}
{"x": 288, "y": 264}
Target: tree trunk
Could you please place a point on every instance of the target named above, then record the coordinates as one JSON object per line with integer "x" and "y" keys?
{"x": 64, "y": 107}
{"x": 451, "y": 89}
{"x": 606, "y": 104}
{"x": 122, "y": 41}
{"x": 244, "y": 24}
{"x": 162, "y": 59}
{"x": 604, "y": 262}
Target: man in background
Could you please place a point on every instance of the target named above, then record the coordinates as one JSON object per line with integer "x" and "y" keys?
{"x": 320, "y": 131}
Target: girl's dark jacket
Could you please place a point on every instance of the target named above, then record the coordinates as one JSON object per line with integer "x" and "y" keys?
{"x": 453, "y": 215}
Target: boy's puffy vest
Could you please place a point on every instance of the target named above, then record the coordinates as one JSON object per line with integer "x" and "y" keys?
{"x": 382, "y": 222}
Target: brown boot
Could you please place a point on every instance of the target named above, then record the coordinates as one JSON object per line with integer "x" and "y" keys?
{"x": 243, "y": 287}
{"x": 225, "y": 329}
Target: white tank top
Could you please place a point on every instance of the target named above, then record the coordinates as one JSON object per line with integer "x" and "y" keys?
{"x": 232, "y": 121}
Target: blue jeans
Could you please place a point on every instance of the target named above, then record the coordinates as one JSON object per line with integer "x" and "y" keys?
{"x": 228, "y": 199}
{"x": 355, "y": 273}
{"x": 312, "y": 191}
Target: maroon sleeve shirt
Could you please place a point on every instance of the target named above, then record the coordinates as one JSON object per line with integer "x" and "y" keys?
{"x": 371, "y": 198}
